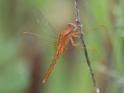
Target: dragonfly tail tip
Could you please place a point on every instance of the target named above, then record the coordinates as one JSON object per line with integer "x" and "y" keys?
{"x": 44, "y": 81}
{"x": 97, "y": 90}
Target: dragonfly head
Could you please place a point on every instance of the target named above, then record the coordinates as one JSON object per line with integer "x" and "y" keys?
{"x": 72, "y": 26}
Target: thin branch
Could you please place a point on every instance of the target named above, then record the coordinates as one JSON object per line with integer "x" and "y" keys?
{"x": 78, "y": 23}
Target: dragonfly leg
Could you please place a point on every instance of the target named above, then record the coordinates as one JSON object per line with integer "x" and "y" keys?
{"x": 76, "y": 34}
{"x": 73, "y": 42}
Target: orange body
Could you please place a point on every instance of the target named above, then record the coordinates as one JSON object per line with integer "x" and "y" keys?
{"x": 63, "y": 39}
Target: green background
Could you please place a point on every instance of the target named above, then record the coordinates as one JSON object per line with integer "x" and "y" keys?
{"x": 24, "y": 58}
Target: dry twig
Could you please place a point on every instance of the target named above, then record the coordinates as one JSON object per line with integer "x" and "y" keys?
{"x": 78, "y": 23}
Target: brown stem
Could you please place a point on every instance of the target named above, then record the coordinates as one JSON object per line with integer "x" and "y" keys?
{"x": 78, "y": 23}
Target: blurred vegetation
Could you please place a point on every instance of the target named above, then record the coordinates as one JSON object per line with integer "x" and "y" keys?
{"x": 24, "y": 59}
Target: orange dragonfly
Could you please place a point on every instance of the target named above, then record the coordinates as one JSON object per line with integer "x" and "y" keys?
{"x": 68, "y": 35}
{"x": 63, "y": 39}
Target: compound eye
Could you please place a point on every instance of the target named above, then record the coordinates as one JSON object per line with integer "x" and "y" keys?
{"x": 72, "y": 25}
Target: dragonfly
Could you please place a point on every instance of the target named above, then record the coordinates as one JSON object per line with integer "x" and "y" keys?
{"x": 63, "y": 40}
{"x": 68, "y": 35}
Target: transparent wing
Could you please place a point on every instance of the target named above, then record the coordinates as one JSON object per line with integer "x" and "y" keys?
{"x": 43, "y": 32}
